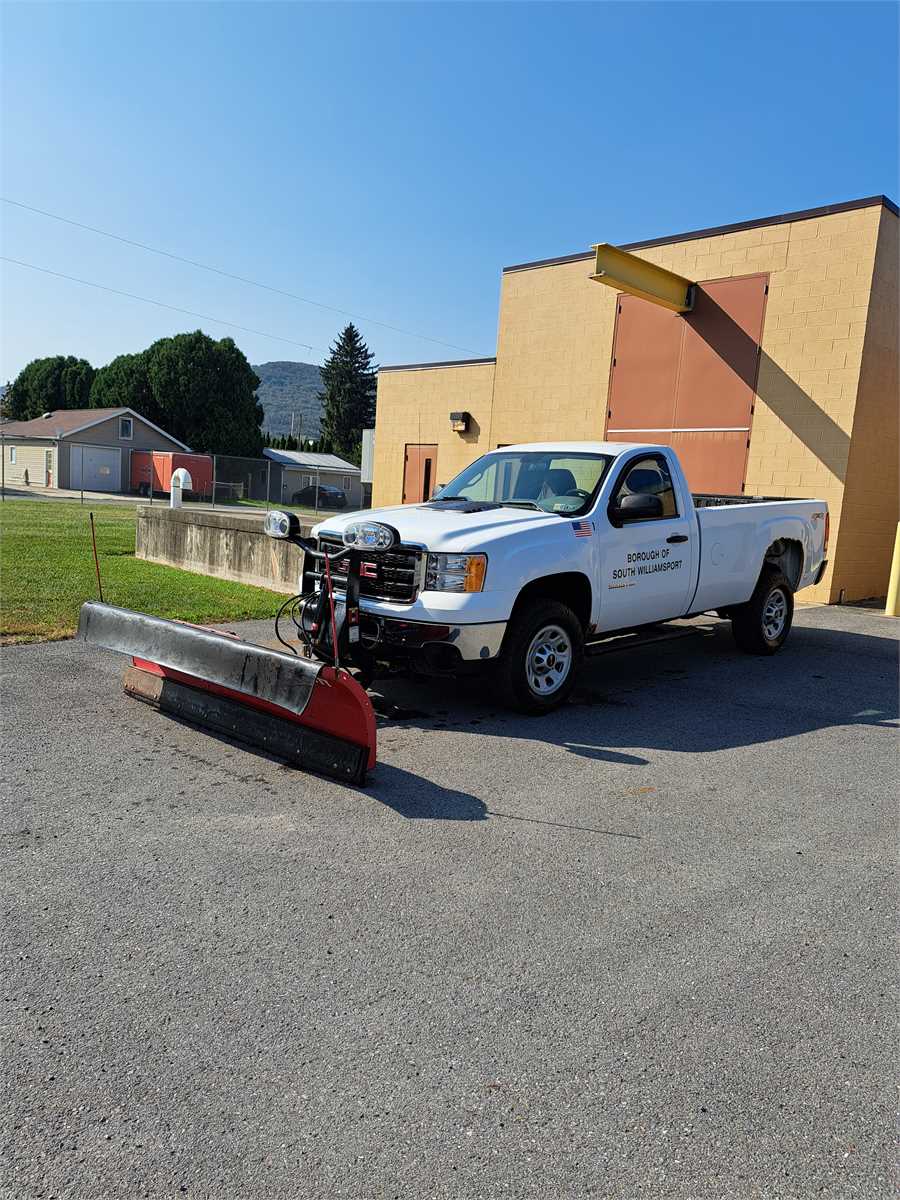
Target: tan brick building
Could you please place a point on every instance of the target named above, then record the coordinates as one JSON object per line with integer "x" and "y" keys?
{"x": 783, "y": 380}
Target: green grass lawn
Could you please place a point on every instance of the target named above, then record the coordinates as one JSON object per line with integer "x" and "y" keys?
{"x": 47, "y": 572}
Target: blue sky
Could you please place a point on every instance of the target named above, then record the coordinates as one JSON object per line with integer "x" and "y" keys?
{"x": 390, "y": 159}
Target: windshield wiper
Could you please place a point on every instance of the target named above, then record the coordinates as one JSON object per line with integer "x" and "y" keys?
{"x": 438, "y": 499}
{"x": 522, "y": 504}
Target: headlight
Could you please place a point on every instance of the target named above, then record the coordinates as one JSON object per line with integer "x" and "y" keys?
{"x": 455, "y": 572}
{"x": 369, "y": 535}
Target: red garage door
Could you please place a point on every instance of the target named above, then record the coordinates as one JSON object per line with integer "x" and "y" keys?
{"x": 689, "y": 381}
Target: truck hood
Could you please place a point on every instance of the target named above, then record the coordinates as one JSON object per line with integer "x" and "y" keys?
{"x": 457, "y": 529}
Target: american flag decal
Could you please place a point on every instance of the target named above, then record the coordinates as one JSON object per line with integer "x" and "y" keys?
{"x": 582, "y": 528}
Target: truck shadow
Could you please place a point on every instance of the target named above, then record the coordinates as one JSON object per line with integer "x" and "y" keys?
{"x": 693, "y": 695}
{"x": 411, "y": 796}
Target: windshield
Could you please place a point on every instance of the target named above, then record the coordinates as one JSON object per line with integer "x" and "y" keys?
{"x": 562, "y": 483}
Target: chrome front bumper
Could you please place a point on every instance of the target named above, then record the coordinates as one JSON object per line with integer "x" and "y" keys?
{"x": 390, "y": 635}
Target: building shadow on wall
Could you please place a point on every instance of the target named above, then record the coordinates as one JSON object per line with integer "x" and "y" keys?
{"x": 473, "y": 433}
{"x": 809, "y": 423}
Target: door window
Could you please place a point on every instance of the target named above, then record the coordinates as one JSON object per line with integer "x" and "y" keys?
{"x": 649, "y": 476}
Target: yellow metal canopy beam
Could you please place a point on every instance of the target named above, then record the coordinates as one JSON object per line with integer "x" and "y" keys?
{"x": 627, "y": 273}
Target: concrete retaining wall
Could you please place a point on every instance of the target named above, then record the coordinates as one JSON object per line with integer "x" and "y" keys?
{"x": 228, "y": 545}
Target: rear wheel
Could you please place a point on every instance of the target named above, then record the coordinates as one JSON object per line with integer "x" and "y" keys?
{"x": 761, "y": 626}
{"x": 541, "y": 654}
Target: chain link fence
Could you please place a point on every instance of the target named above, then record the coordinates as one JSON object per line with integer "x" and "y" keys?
{"x": 224, "y": 481}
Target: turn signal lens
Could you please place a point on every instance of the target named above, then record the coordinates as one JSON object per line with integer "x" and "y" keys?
{"x": 475, "y": 570}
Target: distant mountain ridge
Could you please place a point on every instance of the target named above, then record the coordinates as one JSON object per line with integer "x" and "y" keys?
{"x": 290, "y": 387}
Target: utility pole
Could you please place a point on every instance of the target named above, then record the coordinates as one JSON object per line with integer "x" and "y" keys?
{"x": 292, "y": 424}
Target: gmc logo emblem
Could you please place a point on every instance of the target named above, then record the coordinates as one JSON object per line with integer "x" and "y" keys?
{"x": 368, "y": 570}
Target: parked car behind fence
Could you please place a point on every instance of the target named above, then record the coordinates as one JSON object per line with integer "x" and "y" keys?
{"x": 329, "y": 497}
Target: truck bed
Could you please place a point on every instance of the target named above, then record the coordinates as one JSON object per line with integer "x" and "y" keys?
{"x": 712, "y": 500}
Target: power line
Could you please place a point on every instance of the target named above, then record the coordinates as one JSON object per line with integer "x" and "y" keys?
{"x": 229, "y": 275}
{"x": 159, "y": 303}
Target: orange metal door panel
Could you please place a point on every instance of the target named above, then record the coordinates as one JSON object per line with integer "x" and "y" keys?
{"x": 419, "y": 473}
{"x": 713, "y": 461}
{"x": 720, "y": 354}
{"x": 658, "y": 437}
{"x": 645, "y": 366}
{"x": 689, "y": 381}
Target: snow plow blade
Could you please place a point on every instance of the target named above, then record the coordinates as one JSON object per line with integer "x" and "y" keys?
{"x": 305, "y": 712}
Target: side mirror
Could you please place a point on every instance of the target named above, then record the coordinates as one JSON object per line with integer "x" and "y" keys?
{"x": 642, "y": 506}
{"x": 282, "y": 524}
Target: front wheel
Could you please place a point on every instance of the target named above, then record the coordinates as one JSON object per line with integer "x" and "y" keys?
{"x": 541, "y": 654}
{"x": 761, "y": 626}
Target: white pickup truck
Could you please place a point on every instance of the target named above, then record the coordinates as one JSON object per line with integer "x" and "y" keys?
{"x": 534, "y": 553}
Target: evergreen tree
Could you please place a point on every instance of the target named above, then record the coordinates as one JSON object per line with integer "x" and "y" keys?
{"x": 201, "y": 391}
{"x": 48, "y": 384}
{"x": 125, "y": 383}
{"x": 349, "y": 396}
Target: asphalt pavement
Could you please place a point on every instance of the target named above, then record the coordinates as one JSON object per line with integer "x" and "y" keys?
{"x": 643, "y": 947}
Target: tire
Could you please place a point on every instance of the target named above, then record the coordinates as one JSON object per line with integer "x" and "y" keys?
{"x": 542, "y": 651}
{"x": 761, "y": 626}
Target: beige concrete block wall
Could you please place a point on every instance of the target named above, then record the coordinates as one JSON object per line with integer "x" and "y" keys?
{"x": 554, "y": 351}
{"x": 810, "y": 363}
{"x": 414, "y": 407}
{"x": 871, "y": 506}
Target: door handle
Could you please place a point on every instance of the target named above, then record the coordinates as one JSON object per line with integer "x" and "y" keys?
{"x": 677, "y": 537}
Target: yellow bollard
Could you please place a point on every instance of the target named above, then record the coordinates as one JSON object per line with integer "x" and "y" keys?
{"x": 892, "y": 607}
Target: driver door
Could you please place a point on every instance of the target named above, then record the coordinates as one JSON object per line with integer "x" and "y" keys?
{"x": 646, "y": 566}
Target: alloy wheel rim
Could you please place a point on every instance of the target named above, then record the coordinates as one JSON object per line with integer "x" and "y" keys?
{"x": 774, "y": 614}
{"x": 549, "y": 660}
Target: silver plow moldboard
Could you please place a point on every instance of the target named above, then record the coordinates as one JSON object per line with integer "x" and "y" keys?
{"x": 271, "y": 675}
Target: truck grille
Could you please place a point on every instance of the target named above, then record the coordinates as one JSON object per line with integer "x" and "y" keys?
{"x": 393, "y": 575}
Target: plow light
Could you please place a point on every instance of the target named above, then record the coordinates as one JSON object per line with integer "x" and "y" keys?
{"x": 281, "y": 524}
{"x": 369, "y": 535}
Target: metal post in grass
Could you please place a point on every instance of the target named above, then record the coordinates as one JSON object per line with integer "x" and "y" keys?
{"x": 214, "y": 482}
{"x": 2, "y": 467}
